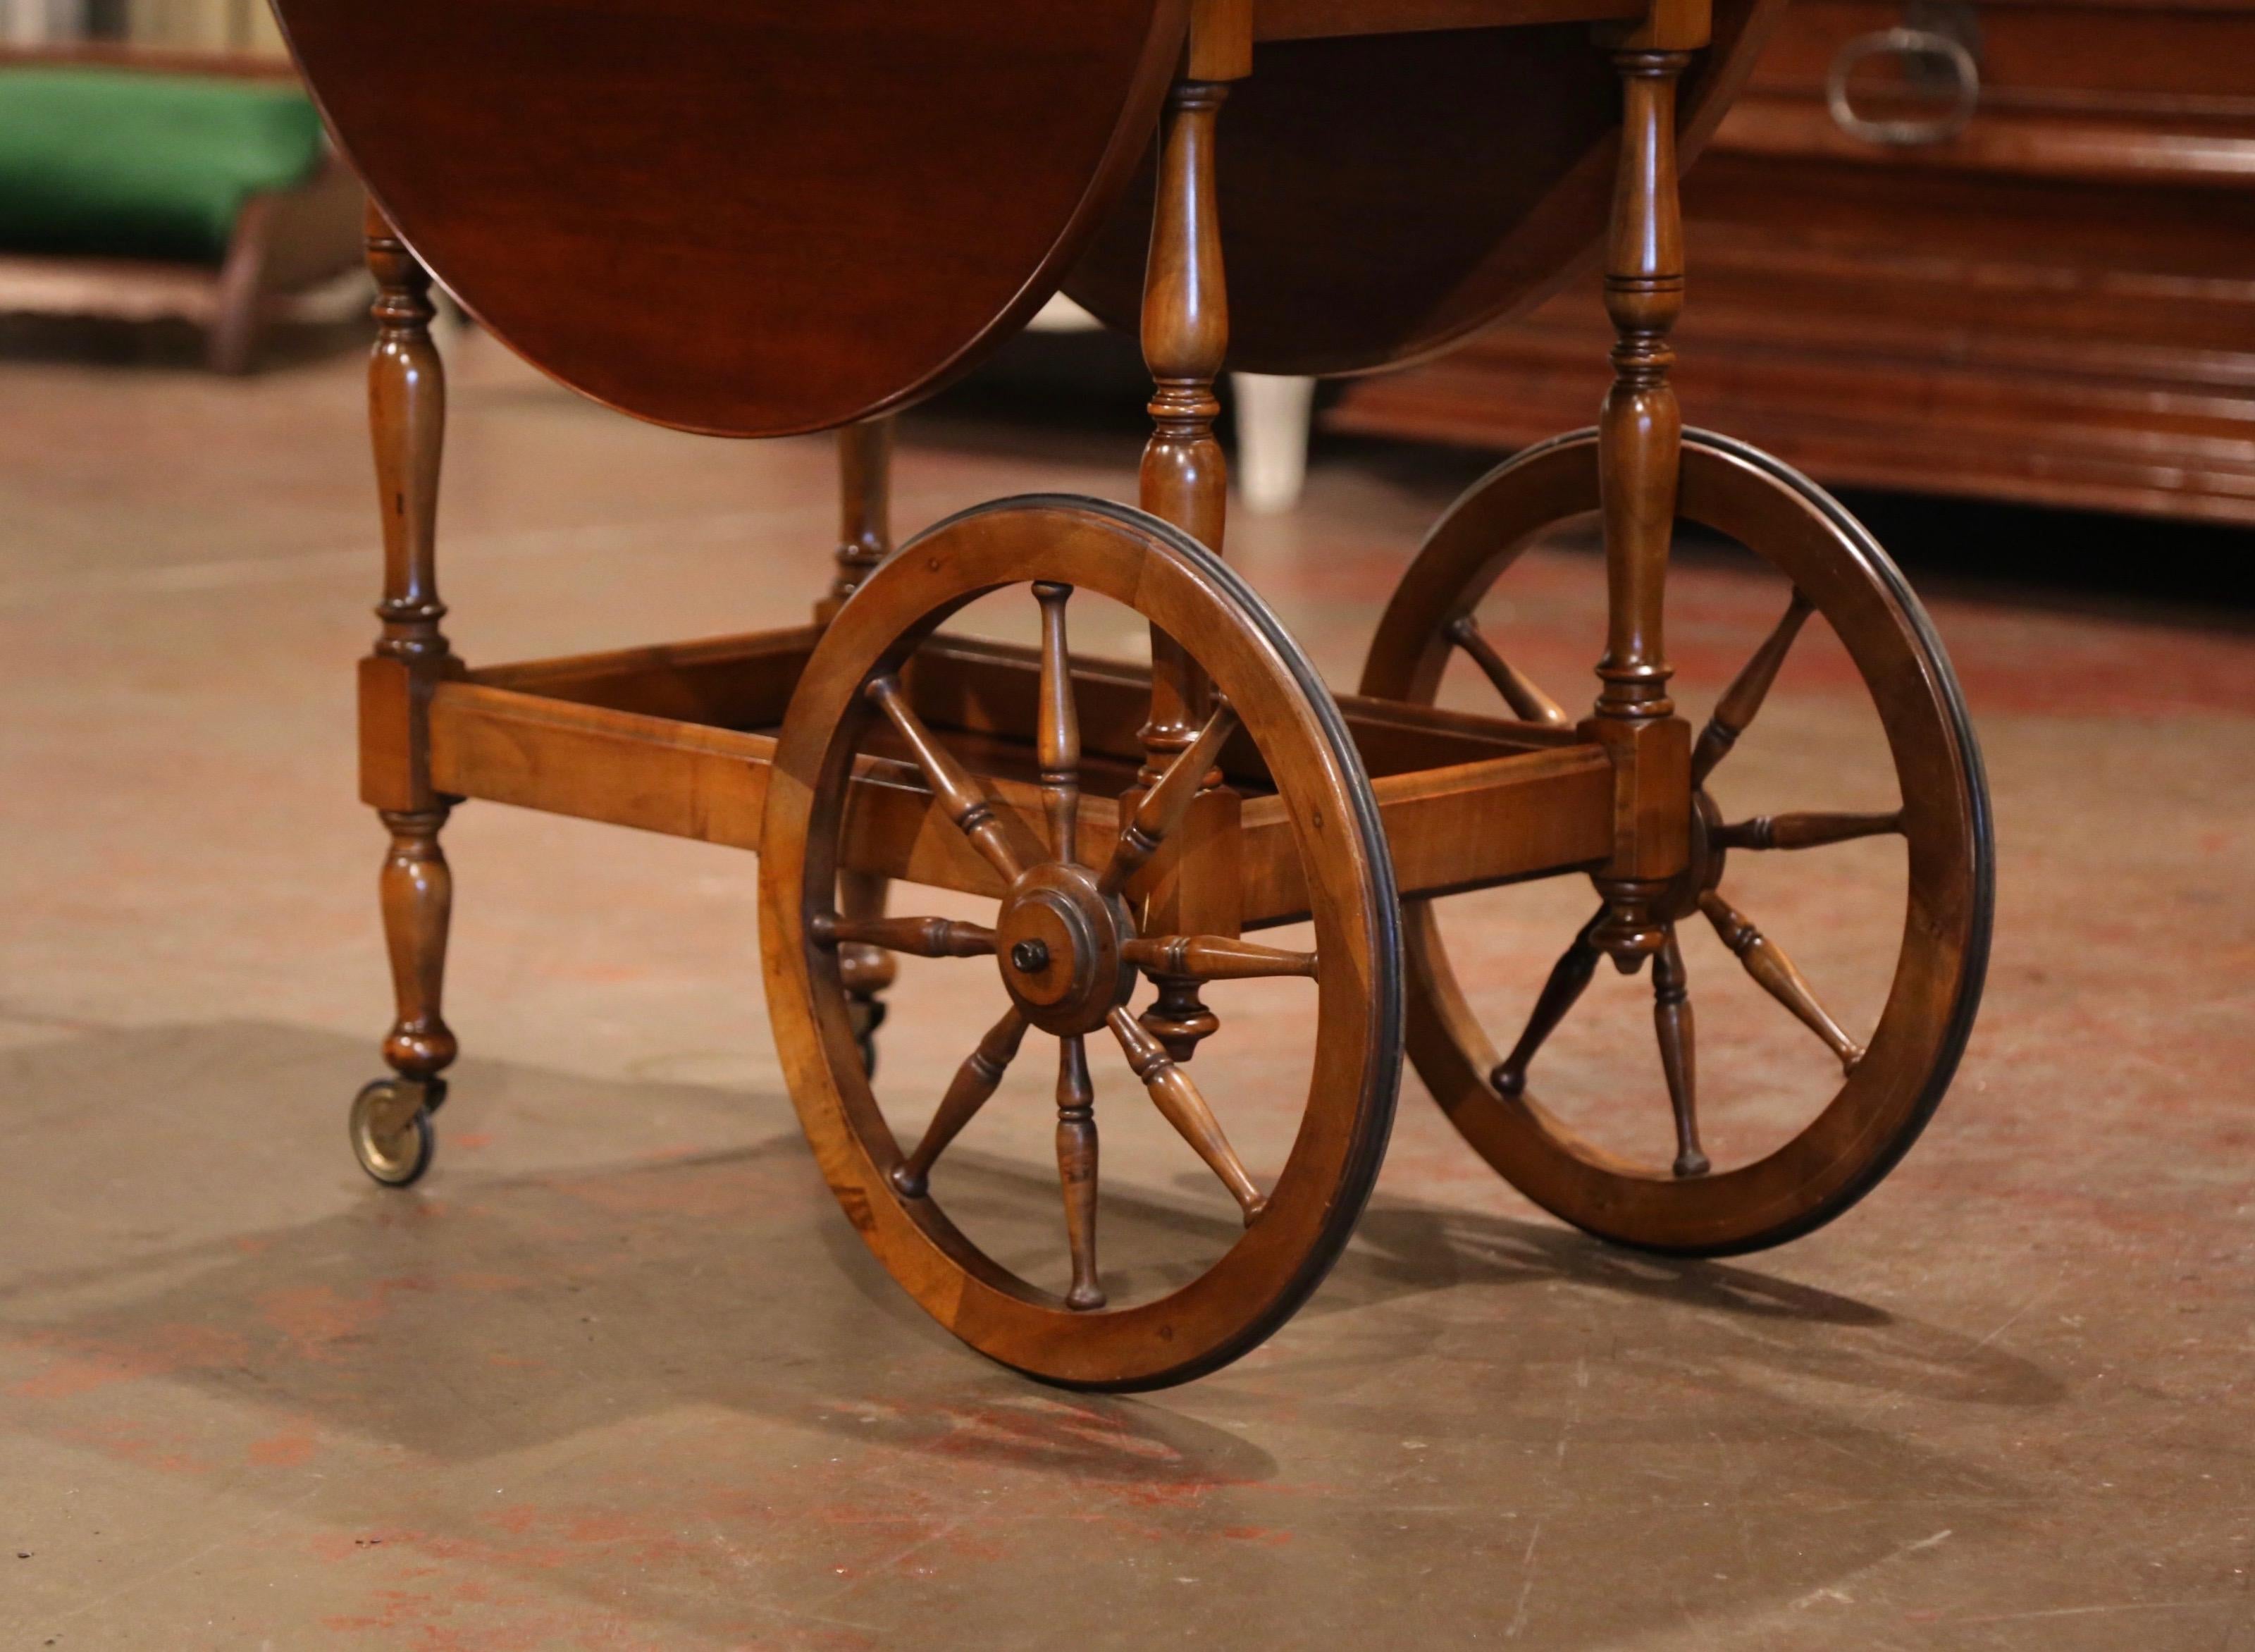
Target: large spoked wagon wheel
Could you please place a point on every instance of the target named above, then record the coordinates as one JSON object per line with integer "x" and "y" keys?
{"x": 1891, "y": 1073}
{"x": 1065, "y": 953}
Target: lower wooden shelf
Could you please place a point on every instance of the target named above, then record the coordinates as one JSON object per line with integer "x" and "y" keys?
{"x": 681, "y": 739}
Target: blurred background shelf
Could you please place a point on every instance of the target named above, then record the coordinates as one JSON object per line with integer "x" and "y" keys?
{"x": 2054, "y": 304}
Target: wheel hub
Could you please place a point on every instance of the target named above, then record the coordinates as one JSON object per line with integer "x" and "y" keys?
{"x": 1058, "y": 941}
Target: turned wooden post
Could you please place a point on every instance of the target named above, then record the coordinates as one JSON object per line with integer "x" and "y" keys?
{"x": 407, "y": 415}
{"x": 865, "y": 539}
{"x": 417, "y": 889}
{"x": 865, "y": 528}
{"x": 1185, "y": 480}
{"x": 1184, "y": 477}
{"x": 1640, "y": 444}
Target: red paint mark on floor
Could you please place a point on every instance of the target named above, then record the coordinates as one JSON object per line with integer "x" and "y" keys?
{"x": 130, "y": 1443}
{"x": 166, "y": 1350}
{"x": 471, "y": 1280}
{"x": 289, "y": 1447}
{"x": 1257, "y": 1535}
{"x": 314, "y": 1318}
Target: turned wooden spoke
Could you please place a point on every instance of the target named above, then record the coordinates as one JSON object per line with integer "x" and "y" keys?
{"x": 1803, "y": 830}
{"x": 976, "y": 1080}
{"x": 1076, "y": 1148}
{"x": 1766, "y": 962}
{"x": 1518, "y": 691}
{"x": 958, "y": 792}
{"x": 1163, "y": 806}
{"x": 1179, "y": 1099}
{"x": 1671, "y": 1019}
{"x": 924, "y": 937}
{"x": 1214, "y": 958}
{"x": 1570, "y": 978}
{"x": 1748, "y": 689}
{"x": 1060, "y": 733}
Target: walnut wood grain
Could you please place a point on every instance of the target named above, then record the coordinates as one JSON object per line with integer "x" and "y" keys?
{"x": 1805, "y": 831}
{"x": 1454, "y": 826}
{"x": 1640, "y": 442}
{"x": 1183, "y": 479}
{"x": 967, "y": 806}
{"x": 830, "y": 787}
{"x": 1161, "y": 809}
{"x": 1057, "y": 726}
{"x": 728, "y": 215}
{"x": 1177, "y": 1097}
{"x": 1215, "y": 958}
{"x": 864, "y": 508}
{"x": 923, "y": 937}
{"x": 973, "y": 1085}
{"x": 1320, "y": 20}
{"x": 1519, "y": 692}
{"x": 1383, "y": 197}
{"x": 1569, "y": 979}
{"x": 1672, "y": 1022}
{"x": 1076, "y": 1151}
{"x": 417, "y": 890}
{"x": 1735, "y": 711}
{"x": 407, "y": 412}
{"x": 1767, "y": 963}
{"x": 1852, "y": 1134}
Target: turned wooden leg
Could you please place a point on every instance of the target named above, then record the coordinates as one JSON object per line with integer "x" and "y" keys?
{"x": 1185, "y": 479}
{"x": 417, "y": 891}
{"x": 1640, "y": 442}
{"x": 407, "y": 410}
{"x": 865, "y": 535}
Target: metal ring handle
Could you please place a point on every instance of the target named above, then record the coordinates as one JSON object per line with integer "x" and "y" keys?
{"x": 1926, "y": 44}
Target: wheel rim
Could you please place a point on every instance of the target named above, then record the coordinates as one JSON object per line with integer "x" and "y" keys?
{"x": 1881, "y": 1105}
{"x": 1255, "y": 1284}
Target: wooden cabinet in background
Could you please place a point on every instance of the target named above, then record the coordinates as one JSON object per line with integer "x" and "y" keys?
{"x": 2055, "y": 305}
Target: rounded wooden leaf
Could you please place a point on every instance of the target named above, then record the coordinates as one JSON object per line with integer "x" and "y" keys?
{"x": 748, "y": 217}
{"x": 1383, "y": 196}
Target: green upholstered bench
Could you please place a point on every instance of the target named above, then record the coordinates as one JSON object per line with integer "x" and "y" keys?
{"x": 148, "y": 182}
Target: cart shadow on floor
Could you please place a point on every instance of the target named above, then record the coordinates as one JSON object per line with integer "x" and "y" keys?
{"x": 684, "y": 1322}
{"x": 482, "y": 1281}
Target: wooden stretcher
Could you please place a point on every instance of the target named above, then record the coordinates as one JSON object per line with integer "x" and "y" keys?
{"x": 755, "y": 219}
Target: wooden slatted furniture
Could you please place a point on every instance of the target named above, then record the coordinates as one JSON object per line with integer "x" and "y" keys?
{"x": 755, "y": 218}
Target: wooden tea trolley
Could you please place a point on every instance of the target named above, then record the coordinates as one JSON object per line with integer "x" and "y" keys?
{"x": 755, "y": 218}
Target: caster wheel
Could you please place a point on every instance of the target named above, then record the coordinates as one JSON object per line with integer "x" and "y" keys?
{"x": 391, "y": 1128}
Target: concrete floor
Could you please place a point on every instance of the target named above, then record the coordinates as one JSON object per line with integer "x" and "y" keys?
{"x": 619, "y": 1374}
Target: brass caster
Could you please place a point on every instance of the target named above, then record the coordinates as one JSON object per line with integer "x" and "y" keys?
{"x": 391, "y": 1128}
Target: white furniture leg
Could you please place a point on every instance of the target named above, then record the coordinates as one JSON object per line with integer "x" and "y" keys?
{"x": 1273, "y": 415}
